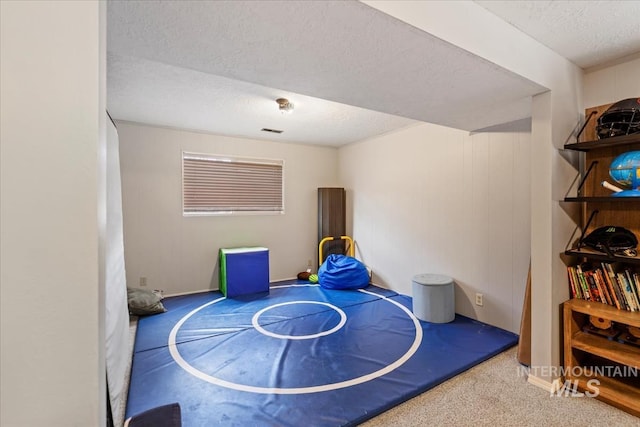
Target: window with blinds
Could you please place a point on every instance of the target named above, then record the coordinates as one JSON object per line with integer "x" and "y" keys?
{"x": 214, "y": 184}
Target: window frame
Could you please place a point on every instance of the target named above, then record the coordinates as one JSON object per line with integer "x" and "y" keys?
{"x": 226, "y": 158}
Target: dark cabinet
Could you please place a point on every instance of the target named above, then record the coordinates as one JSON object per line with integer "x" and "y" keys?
{"x": 332, "y": 219}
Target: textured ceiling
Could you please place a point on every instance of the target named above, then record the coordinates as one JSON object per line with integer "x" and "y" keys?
{"x": 588, "y": 33}
{"x": 344, "y": 52}
{"x": 155, "y": 93}
{"x": 352, "y": 71}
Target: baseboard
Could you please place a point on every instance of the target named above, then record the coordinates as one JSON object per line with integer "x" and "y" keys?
{"x": 382, "y": 286}
{"x": 544, "y": 384}
{"x": 283, "y": 280}
{"x": 179, "y": 294}
{"x": 271, "y": 282}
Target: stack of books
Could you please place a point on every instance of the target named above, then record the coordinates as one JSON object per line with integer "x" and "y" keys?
{"x": 605, "y": 284}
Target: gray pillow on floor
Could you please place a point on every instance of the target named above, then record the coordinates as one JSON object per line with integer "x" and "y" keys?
{"x": 142, "y": 302}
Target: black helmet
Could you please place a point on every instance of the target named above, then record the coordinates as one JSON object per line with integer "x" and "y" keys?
{"x": 612, "y": 240}
{"x": 622, "y": 118}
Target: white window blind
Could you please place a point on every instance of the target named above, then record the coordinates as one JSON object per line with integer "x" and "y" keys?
{"x": 225, "y": 185}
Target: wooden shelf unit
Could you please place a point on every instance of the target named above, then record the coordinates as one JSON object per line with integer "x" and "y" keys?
{"x": 594, "y": 255}
{"x": 619, "y": 211}
{"x": 616, "y": 141}
{"x": 607, "y": 199}
{"x": 583, "y": 350}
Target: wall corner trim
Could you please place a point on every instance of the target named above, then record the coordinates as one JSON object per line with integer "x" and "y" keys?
{"x": 544, "y": 384}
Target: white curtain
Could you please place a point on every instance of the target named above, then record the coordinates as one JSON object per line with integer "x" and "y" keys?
{"x": 117, "y": 314}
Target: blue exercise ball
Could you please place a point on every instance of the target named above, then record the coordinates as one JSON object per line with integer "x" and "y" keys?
{"x": 625, "y": 170}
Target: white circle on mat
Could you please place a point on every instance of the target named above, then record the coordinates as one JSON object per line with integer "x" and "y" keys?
{"x": 256, "y": 324}
{"x": 173, "y": 350}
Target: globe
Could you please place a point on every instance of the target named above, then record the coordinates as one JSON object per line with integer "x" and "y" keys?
{"x": 625, "y": 170}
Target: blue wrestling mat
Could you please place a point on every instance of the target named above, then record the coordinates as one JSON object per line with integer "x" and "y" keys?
{"x": 298, "y": 355}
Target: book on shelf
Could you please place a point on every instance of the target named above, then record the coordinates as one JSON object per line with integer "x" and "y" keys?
{"x": 628, "y": 291}
{"x": 634, "y": 287}
{"x": 594, "y": 290}
{"x": 606, "y": 283}
{"x": 612, "y": 289}
{"x": 602, "y": 287}
{"x": 577, "y": 283}
{"x": 586, "y": 294}
{"x": 618, "y": 289}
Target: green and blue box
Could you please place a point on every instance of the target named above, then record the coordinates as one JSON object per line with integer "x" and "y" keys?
{"x": 244, "y": 271}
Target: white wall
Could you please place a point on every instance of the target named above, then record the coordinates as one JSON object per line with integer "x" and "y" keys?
{"x": 471, "y": 27}
{"x": 407, "y": 213}
{"x": 52, "y": 368}
{"x": 430, "y": 199}
{"x": 179, "y": 254}
{"x": 612, "y": 84}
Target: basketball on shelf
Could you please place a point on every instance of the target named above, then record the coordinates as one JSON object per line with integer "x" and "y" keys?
{"x": 625, "y": 170}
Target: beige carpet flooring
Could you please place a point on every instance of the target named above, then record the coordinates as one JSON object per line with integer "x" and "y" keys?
{"x": 495, "y": 393}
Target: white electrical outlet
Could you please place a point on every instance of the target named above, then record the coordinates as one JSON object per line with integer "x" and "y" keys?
{"x": 479, "y": 300}
{"x": 143, "y": 281}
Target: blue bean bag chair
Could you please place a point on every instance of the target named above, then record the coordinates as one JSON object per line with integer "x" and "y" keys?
{"x": 342, "y": 272}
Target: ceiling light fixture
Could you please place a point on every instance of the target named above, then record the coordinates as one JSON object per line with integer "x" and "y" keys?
{"x": 284, "y": 105}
